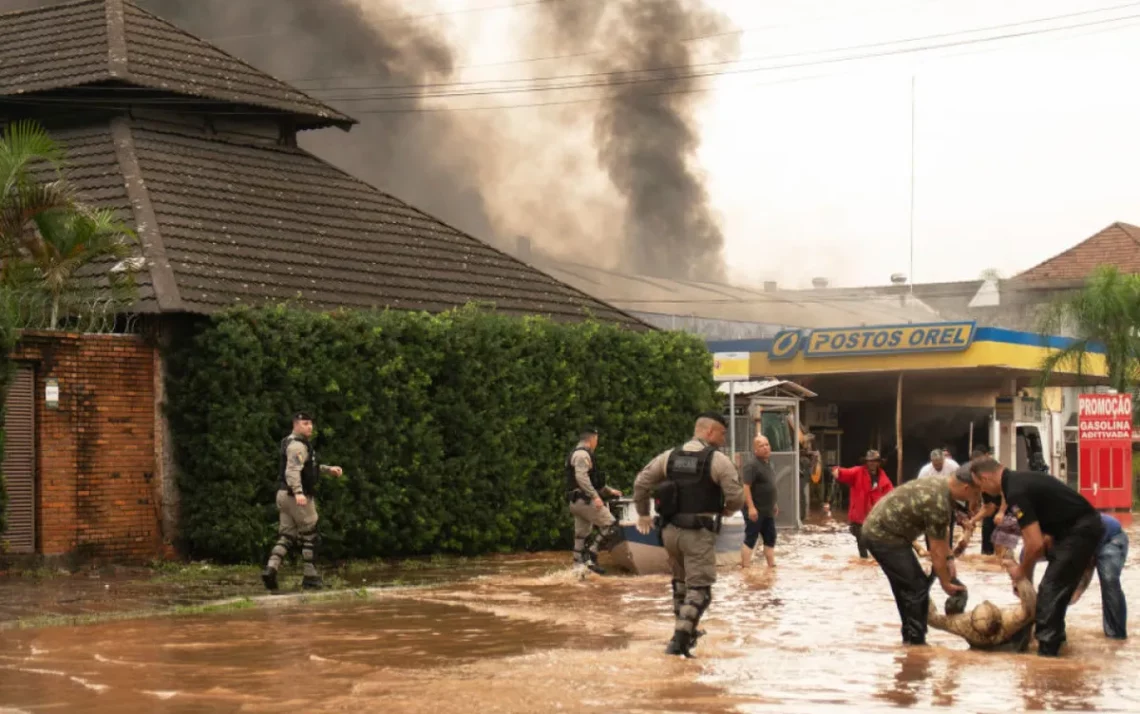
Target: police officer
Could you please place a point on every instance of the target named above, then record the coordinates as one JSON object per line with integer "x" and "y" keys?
{"x": 694, "y": 486}
{"x": 594, "y": 525}
{"x": 297, "y": 476}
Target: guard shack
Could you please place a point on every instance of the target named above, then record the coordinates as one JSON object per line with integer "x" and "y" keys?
{"x": 907, "y": 389}
{"x": 772, "y": 408}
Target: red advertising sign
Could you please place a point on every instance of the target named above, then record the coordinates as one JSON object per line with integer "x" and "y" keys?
{"x": 1105, "y": 423}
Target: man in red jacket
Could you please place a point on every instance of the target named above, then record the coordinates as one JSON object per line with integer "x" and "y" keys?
{"x": 868, "y": 483}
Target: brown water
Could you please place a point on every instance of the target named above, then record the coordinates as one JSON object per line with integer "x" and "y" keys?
{"x": 819, "y": 635}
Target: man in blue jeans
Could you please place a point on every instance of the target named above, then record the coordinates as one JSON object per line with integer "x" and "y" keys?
{"x": 1111, "y": 553}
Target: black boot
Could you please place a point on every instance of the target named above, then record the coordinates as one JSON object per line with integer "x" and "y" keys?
{"x": 269, "y": 577}
{"x": 312, "y": 582}
{"x": 592, "y": 564}
{"x": 680, "y": 645}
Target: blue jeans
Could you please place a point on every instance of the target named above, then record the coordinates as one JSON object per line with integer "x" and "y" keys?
{"x": 1109, "y": 562}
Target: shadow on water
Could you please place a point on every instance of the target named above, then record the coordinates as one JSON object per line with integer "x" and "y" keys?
{"x": 522, "y": 634}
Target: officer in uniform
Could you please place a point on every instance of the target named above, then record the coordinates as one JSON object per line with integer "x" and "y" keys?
{"x": 694, "y": 485}
{"x": 594, "y": 525}
{"x": 297, "y": 476}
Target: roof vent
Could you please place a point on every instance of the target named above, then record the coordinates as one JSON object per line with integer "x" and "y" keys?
{"x": 819, "y": 283}
{"x": 522, "y": 248}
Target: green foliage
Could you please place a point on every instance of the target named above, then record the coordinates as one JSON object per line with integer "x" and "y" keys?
{"x": 452, "y": 428}
{"x": 1104, "y": 314}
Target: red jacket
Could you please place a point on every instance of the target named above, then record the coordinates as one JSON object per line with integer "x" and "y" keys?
{"x": 864, "y": 494}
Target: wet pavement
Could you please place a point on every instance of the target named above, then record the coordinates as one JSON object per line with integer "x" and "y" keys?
{"x": 522, "y": 634}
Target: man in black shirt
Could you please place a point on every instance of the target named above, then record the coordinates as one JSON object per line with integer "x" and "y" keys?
{"x": 760, "y": 509}
{"x": 1044, "y": 506}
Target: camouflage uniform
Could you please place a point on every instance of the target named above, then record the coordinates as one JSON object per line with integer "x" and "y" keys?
{"x": 297, "y": 524}
{"x": 918, "y": 507}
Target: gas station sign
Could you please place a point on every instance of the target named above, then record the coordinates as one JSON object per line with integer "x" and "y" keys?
{"x": 1105, "y": 438}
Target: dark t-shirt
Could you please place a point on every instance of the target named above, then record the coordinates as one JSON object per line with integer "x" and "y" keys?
{"x": 1035, "y": 497}
{"x": 761, "y": 479}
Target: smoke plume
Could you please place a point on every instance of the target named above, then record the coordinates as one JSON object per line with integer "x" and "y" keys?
{"x": 611, "y": 180}
{"x": 645, "y": 133}
{"x": 331, "y": 48}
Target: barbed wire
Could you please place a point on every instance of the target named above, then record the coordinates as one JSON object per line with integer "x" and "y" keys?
{"x": 95, "y": 313}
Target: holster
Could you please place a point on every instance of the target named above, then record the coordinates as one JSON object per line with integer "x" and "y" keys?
{"x": 577, "y": 495}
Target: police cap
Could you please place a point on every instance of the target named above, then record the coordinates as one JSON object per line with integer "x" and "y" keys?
{"x": 715, "y": 416}
{"x": 302, "y": 416}
{"x": 589, "y": 431}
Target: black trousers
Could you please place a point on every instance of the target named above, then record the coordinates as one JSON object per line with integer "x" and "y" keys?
{"x": 910, "y": 585}
{"x": 857, "y": 531}
{"x": 1068, "y": 560}
{"x": 988, "y": 535}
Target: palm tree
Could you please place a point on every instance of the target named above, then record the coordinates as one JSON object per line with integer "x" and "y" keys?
{"x": 1105, "y": 313}
{"x": 66, "y": 240}
{"x": 27, "y": 152}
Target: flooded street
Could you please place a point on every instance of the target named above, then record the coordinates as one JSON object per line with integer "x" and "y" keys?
{"x": 819, "y": 635}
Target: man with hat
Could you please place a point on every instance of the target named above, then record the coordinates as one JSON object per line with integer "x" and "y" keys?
{"x": 919, "y": 507}
{"x": 297, "y": 475}
{"x": 693, "y": 485}
{"x": 868, "y": 484}
{"x": 594, "y": 525}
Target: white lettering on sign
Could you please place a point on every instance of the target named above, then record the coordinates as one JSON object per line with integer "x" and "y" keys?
{"x": 1105, "y": 417}
{"x": 1094, "y": 405}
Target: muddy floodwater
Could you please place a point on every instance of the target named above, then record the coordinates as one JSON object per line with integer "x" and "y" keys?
{"x": 819, "y": 635}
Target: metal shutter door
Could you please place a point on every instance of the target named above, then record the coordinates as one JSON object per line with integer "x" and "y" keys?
{"x": 19, "y": 465}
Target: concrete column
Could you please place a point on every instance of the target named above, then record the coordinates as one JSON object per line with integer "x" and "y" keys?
{"x": 1006, "y": 451}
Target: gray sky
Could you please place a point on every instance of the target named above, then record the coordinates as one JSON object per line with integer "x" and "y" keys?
{"x": 1024, "y": 146}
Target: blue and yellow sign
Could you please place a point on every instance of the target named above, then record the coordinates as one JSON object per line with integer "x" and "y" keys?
{"x": 887, "y": 339}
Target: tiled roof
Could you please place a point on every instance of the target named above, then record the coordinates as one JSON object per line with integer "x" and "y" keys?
{"x": 239, "y": 223}
{"x": 101, "y": 43}
{"x": 1118, "y": 244}
{"x": 837, "y": 307}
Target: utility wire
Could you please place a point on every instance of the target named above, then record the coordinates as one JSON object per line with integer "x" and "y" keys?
{"x": 575, "y": 55}
{"x": 623, "y": 75}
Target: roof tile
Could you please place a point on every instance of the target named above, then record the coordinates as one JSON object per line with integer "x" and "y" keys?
{"x": 1118, "y": 244}
{"x": 69, "y": 47}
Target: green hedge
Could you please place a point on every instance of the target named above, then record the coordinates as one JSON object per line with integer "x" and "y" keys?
{"x": 451, "y": 428}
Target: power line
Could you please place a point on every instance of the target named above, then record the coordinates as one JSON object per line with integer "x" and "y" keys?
{"x": 872, "y": 45}
{"x": 728, "y": 72}
{"x": 192, "y": 100}
{"x": 575, "y": 55}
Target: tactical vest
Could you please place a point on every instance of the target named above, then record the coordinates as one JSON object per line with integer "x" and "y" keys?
{"x": 691, "y": 472}
{"x": 596, "y": 479}
{"x": 310, "y": 472}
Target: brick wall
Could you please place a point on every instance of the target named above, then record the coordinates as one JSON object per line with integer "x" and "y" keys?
{"x": 96, "y": 454}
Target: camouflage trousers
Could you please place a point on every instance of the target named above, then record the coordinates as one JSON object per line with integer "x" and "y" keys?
{"x": 297, "y": 527}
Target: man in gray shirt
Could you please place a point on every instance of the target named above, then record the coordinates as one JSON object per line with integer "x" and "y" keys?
{"x": 760, "y": 509}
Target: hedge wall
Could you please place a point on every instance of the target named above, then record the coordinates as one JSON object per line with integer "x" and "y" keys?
{"x": 451, "y": 428}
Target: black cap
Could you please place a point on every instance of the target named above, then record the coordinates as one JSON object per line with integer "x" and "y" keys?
{"x": 302, "y": 416}
{"x": 715, "y": 416}
{"x": 589, "y": 430}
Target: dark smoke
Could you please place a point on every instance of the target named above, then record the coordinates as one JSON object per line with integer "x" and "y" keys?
{"x": 539, "y": 172}
{"x": 416, "y": 156}
{"x": 646, "y": 134}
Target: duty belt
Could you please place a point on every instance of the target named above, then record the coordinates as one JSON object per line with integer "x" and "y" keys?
{"x": 578, "y": 495}
{"x": 692, "y": 521}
